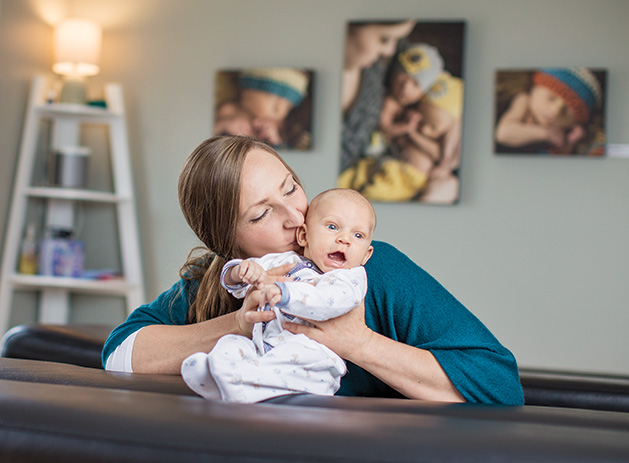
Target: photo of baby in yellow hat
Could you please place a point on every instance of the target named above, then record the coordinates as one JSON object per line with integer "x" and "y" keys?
{"x": 403, "y": 108}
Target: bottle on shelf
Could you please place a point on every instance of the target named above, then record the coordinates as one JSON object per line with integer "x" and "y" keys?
{"x": 28, "y": 252}
{"x": 60, "y": 254}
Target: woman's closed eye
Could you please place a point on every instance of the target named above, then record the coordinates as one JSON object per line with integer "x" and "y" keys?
{"x": 293, "y": 190}
{"x": 260, "y": 217}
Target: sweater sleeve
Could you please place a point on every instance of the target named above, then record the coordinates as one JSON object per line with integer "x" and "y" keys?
{"x": 406, "y": 304}
{"x": 170, "y": 308}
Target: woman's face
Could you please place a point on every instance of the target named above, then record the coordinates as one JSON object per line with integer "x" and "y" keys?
{"x": 272, "y": 207}
{"x": 368, "y": 43}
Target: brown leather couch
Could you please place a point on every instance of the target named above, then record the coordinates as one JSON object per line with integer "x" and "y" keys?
{"x": 53, "y": 411}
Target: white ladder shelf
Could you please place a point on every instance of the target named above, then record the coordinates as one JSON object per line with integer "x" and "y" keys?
{"x": 66, "y": 120}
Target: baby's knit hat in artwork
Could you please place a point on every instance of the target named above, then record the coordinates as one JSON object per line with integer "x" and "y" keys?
{"x": 423, "y": 62}
{"x": 288, "y": 83}
{"x": 447, "y": 94}
{"x": 578, "y": 86}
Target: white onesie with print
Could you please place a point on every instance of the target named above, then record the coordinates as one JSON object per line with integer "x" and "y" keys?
{"x": 275, "y": 361}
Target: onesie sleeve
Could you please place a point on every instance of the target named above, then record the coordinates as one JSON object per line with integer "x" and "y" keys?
{"x": 267, "y": 262}
{"x": 239, "y": 290}
{"x": 331, "y": 295}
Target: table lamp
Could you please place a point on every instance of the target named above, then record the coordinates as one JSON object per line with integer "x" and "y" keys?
{"x": 77, "y": 52}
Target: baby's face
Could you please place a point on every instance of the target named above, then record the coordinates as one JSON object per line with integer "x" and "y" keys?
{"x": 550, "y": 110}
{"x": 405, "y": 89}
{"x": 338, "y": 233}
{"x": 265, "y": 105}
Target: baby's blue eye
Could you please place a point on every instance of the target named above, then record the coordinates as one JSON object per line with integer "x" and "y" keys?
{"x": 359, "y": 236}
{"x": 331, "y": 226}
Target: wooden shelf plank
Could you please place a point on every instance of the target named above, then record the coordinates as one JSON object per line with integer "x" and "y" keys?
{"x": 117, "y": 286}
{"x": 74, "y": 110}
{"x": 74, "y": 194}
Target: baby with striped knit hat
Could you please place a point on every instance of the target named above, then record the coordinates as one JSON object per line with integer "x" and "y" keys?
{"x": 554, "y": 112}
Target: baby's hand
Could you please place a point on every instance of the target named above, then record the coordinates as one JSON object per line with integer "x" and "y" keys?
{"x": 576, "y": 134}
{"x": 271, "y": 294}
{"x": 413, "y": 118}
{"x": 250, "y": 273}
{"x": 268, "y": 130}
{"x": 556, "y": 137}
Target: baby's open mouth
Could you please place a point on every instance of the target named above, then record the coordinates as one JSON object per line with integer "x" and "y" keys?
{"x": 337, "y": 256}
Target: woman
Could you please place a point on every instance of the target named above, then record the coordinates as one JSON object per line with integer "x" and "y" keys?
{"x": 409, "y": 338}
{"x": 367, "y": 49}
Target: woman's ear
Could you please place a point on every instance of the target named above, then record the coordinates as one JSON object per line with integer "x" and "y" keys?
{"x": 301, "y": 236}
{"x": 368, "y": 255}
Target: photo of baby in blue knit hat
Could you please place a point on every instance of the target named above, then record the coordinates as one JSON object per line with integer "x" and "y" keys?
{"x": 272, "y": 104}
{"x": 550, "y": 111}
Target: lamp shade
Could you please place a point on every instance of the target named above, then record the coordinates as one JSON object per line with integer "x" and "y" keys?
{"x": 77, "y": 47}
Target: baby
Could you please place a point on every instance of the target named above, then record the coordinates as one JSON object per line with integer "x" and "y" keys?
{"x": 422, "y": 116}
{"x": 413, "y": 73}
{"x": 553, "y": 113}
{"x": 267, "y": 95}
{"x": 326, "y": 282}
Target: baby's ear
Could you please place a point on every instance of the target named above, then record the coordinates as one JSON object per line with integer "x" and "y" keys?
{"x": 301, "y": 236}
{"x": 368, "y": 255}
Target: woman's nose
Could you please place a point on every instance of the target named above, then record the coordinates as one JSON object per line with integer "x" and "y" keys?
{"x": 293, "y": 217}
{"x": 388, "y": 50}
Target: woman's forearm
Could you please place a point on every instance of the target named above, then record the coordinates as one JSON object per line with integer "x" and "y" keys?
{"x": 413, "y": 372}
{"x": 160, "y": 349}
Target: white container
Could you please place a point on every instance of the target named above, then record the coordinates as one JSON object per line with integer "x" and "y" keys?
{"x": 71, "y": 166}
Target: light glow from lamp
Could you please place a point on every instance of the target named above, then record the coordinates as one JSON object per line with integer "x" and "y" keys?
{"x": 77, "y": 47}
{"x": 77, "y": 52}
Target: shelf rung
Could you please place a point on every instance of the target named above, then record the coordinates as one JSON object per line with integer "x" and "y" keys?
{"x": 117, "y": 286}
{"x": 74, "y": 194}
{"x": 75, "y": 110}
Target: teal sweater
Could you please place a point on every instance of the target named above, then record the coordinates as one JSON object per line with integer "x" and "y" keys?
{"x": 404, "y": 303}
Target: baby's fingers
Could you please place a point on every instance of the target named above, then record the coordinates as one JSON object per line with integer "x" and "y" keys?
{"x": 280, "y": 271}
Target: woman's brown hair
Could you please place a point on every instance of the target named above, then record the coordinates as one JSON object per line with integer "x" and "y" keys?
{"x": 209, "y": 197}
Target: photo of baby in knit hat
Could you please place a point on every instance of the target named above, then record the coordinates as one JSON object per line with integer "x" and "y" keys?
{"x": 401, "y": 139}
{"x": 421, "y": 118}
{"x": 272, "y": 104}
{"x": 555, "y": 111}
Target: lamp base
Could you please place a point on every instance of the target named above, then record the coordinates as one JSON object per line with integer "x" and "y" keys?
{"x": 73, "y": 91}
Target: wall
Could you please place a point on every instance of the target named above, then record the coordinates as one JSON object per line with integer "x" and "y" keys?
{"x": 536, "y": 248}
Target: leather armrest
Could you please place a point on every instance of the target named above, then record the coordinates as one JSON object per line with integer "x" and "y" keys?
{"x": 575, "y": 390}
{"x": 76, "y": 344}
{"x": 36, "y": 371}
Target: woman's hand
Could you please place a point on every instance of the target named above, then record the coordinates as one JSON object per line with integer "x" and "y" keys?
{"x": 411, "y": 371}
{"x": 248, "y": 315}
{"x": 345, "y": 335}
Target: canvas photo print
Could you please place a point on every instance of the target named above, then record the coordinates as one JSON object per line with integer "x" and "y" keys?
{"x": 272, "y": 104}
{"x": 402, "y": 103}
{"x": 550, "y": 111}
